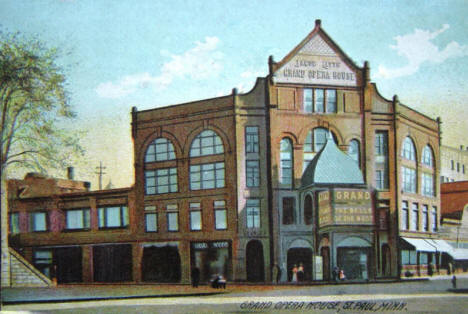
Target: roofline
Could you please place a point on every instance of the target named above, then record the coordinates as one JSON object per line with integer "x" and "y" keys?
{"x": 418, "y": 112}
{"x": 74, "y": 194}
{"x": 183, "y": 104}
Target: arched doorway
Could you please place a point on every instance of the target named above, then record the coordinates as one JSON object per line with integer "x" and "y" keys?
{"x": 161, "y": 264}
{"x": 300, "y": 252}
{"x": 254, "y": 261}
{"x": 386, "y": 260}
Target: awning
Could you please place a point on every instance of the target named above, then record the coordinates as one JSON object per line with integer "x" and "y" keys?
{"x": 420, "y": 244}
{"x": 440, "y": 245}
{"x": 459, "y": 254}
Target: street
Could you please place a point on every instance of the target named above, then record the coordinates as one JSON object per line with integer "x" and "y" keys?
{"x": 410, "y": 297}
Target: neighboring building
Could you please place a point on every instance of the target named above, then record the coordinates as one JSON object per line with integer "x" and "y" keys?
{"x": 453, "y": 163}
{"x": 312, "y": 166}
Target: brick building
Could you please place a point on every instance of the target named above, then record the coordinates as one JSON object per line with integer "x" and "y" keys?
{"x": 312, "y": 166}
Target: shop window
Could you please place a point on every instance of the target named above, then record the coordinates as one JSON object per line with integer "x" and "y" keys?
{"x": 289, "y": 211}
{"x": 43, "y": 261}
{"x": 113, "y": 217}
{"x": 151, "y": 219}
{"x": 212, "y": 258}
{"x": 404, "y": 215}
{"x": 251, "y": 139}
{"x": 414, "y": 217}
{"x": 423, "y": 258}
{"x": 172, "y": 221}
{"x": 408, "y": 257}
{"x": 425, "y": 218}
{"x": 112, "y": 263}
{"x": 159, "y": 150}
{"x": 161, "y": 181}
{"x": 252, "y": 169}
{"x": 206, "y": 143}
{"x": 195, "y": 217}
{"x": 207, "y": 176}
{"x": 434, "y": 219}
{"x": 220, "y": 215}
{"x": 77, "y": 219}
{"x": 427, "y": 184}
{"x": 14, "y": 223}
{"x": 409, "y": 151}
{"x": 253, "y": 213}
{"x": 427, "y": 159}
{"x": 286, "y": 161}
{"x": 409, "y": 179}
{"x": 354, "y": 151}
{"x": 38, "y": 222}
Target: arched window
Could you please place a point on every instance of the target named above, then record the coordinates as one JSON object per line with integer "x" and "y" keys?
{"x": 320, "y": 138}
{"x": 308, "y": 210}
{"x": 428, "y": 171}
{"x": 427, "y": 156}
{"x": 408, "y": 152}
{"x": 286, "y": 161}
{"x": 159, "y": 150}
{"x": 354, "y": 151}
{"x": 206, "y": 143}
{"x": 408, "y": 172}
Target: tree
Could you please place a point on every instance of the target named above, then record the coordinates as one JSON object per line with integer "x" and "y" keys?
{"x": 34, "y": 103}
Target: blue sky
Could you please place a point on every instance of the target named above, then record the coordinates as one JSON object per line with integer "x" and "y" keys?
{"x": 153, "y": 53}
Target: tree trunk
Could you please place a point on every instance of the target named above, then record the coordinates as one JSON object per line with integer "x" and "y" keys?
{"x": 5, "y": 259}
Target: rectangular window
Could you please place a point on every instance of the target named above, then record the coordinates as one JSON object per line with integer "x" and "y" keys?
{"x": 425, "y": 218}
{"x": 409, "y": 179}
{"x": 43, "y": 261}
{"x": 289, "y": 212}
{"x": 423, "y": 258}
{"x": 113, "y": 217}
{"x": 14, "y": 223}
{"x": 195, "y": 217}
{"x": 452, "y": 164}
{"x": 173, "y": 221}
{"x": 38, "y": 221}
{"x": 151, "y": 219}
{"x": 331, "y": 100}
{"x": 381, "y": 143}
{"x": 252, "y": 169}
{"x": 253, "y": 213}
{"x": 434, "y": 219}
{"x": 207, "y": 176}
{"x": 251, "y": 139}
{"x": 319, "y": 100}
{"x": 308, "y": 100}
{"x": 414, "y": 217}
{"x": 408, "y": 257}
{"x": 77, "y": 219}
{"x": 404, "y": 216}
{"x": 161, "y": 181}
{"x": 220, "y": 215}
{"x": 380, "y": 180}
{"x": 427, "y": 184}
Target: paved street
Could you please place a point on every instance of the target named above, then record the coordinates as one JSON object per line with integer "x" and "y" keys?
{"x": 410, "y": 297}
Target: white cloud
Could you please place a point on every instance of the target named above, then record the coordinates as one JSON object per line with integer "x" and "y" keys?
{"x": 248, "y": 80}
{"x": 198, "y": 63}
{"x": 418, "y": 48}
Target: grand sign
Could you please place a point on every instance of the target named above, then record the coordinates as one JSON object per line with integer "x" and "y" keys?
{"x": 345, "y": 207}
{"x": 316, "y": 63}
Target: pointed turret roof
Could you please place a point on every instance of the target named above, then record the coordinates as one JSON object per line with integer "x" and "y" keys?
{"x": 332, "y": 166}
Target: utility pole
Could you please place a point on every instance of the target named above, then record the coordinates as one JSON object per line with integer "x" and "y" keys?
{"x": 100, "y": 172}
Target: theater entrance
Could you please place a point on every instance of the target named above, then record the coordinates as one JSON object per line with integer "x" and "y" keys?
{"x": 298, "y": 256}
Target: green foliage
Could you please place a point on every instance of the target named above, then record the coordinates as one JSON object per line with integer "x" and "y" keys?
{"x": 34, "y": 102}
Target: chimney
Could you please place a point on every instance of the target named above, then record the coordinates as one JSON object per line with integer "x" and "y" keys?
{"x": 70, "y": 173}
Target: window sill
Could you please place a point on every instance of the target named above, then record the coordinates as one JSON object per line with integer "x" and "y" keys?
{"x": 76, "y": 230}
{"x": 112, "y": 228}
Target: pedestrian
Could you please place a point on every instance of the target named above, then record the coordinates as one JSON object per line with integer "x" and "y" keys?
{"x": 300, "y": 272}
{"x": 454, "y": 282}
{"x": 342, "y": 275}
{"x": 335, "y": 273}
{"x": 294, "y": 273}
{"x": 195, "y": 277}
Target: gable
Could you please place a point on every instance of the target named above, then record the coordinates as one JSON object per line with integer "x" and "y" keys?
{"x": 316, "y": 62}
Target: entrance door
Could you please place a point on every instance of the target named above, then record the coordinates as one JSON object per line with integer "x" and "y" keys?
{"x": 255, "y": 262}
{"x": 325, "y": 252}
{"x": 68, "y": 264}
{"x": 297, "y": 256}
{"x": 354, "y": 262}
{"x": 385, "y": 260}
{"x": 161, "y": 264}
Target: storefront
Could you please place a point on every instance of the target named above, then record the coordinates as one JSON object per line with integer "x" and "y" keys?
{"x": 212, "y": 258}
{"x": 161, "y": 262}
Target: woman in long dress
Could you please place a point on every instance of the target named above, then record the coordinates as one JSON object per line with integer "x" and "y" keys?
{"x": 294, "y": 273}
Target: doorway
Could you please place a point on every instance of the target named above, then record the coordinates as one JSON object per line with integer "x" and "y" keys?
{"x": 161, "y": 264}
{"x": 297, "y": 256}
{"x": 255, "y": 262}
